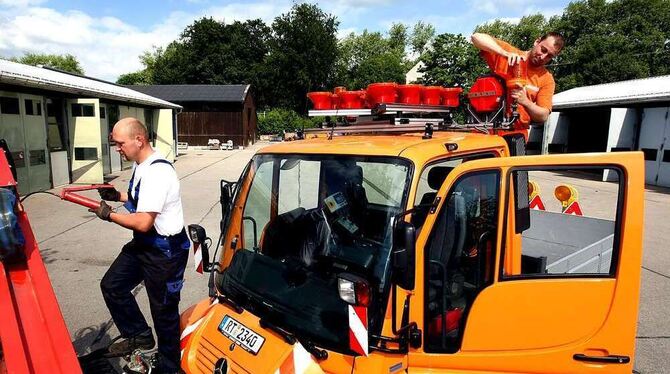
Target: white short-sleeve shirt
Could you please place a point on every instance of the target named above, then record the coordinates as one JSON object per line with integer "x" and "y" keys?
{"x": 159, "y": 193}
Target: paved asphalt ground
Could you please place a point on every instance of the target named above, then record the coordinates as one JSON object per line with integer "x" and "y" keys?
{"x": 78, "y": 248}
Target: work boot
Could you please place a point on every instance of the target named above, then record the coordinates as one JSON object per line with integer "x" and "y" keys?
{"x": 126, "y": 346}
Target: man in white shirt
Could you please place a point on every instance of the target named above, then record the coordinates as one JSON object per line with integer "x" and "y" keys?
{"x": 157, "y": 254}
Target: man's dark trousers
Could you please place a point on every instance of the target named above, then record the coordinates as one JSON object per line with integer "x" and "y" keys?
{"x": 162, "y": 272}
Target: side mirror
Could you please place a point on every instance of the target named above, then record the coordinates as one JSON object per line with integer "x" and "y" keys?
{"x": 404, "y": 254}
{"x": 199, "y": 238}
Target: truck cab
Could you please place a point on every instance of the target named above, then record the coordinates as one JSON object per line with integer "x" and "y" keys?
{"x": 415, "y": 253}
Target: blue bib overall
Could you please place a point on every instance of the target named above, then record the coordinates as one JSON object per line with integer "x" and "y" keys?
{"x": 167, "y": 244}
{"x": 159, "y": 261}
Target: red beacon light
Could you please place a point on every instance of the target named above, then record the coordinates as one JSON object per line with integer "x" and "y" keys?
{"x": 486, "y": 94}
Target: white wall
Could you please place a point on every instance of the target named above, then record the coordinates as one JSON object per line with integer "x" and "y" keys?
{"x": 556, "y": 130}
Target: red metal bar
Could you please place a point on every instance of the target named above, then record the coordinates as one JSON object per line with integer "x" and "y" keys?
{"x": 78, "y": 199}
{"x": 87, "y": 187}
{"x": 32, "y": 330}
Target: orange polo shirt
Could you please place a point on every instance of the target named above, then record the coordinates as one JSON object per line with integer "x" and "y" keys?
{"x": 541, "y": 83}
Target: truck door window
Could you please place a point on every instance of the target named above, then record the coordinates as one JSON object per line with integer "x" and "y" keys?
{"x": 431, "y": 180}
{"x": 377, "y": 179}
{"x": 460, "y": 257}
{"x": 256, "y": 205}
{"x": 298, "y": 184}
{"x": 573, "y": 225}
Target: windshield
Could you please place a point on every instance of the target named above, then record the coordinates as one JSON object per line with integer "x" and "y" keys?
{"x": 308, "y": 220}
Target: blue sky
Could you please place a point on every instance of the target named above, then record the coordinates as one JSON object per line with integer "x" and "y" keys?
{"x": 107, "y": 37}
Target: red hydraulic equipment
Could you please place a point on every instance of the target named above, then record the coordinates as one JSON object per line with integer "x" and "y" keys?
{"x": 33, "y": 333}
{"x": 69, "y": 194}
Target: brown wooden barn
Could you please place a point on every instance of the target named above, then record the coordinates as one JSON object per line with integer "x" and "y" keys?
{"x": 223, "y": 112}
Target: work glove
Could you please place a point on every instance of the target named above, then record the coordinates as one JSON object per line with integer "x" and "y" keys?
{"x": 109, "y": 194}
{"x": 104, "y": 211}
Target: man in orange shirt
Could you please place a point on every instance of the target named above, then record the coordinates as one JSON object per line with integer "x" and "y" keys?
{"x": 535, "y": 98}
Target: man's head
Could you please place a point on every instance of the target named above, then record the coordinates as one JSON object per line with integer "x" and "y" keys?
{"x": 131, "y": 138}
{"x": 545, "y": 49}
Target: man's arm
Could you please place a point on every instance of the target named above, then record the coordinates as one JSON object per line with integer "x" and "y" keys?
{"x": 537, "y": 113}
{"x": 140, "y": 221}
{"x": 485, "y": 42}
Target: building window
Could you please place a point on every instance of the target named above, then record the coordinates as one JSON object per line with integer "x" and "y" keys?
{"x": 38, "y": 157}
{"x": 9, "y": 105}
{"x": 83, "y": 110}
{"x": 33, "y": 107}
{"x": 85, "y": 154}
{"x": 149, "y": 122}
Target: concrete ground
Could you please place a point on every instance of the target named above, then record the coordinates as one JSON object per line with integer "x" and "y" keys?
{"x": 78, "y": 248}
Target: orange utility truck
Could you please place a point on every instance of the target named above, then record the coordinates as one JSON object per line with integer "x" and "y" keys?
{"x": 408, "y": 245}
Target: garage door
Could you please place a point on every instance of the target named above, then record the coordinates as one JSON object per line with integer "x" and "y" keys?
{"x": 654, "y": 142}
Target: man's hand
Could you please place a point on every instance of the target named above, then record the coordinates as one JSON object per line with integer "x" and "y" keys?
{"x": 513, "y": 58}
{"x": 519, "y": 94}
{"x": 109, "y": 194}
{"x": 104, "y": 211}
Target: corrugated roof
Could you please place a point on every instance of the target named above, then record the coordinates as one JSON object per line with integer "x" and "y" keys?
{"x": 47, "y": 79}
{"x": 226, "y": 93}
{"x": 618, "y": 93}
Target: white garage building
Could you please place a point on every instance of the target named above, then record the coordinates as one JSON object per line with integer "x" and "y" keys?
{"x": 613, "y": 117}
{"x": 57, "y": 124}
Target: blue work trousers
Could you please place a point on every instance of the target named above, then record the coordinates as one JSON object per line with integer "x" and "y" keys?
{"x": 162, "y": 272}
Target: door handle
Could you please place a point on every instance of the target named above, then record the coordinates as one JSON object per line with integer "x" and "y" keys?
{"x": 611, "y": 359}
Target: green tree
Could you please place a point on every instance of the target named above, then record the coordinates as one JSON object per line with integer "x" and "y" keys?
{"x": 521, "y": 35}
{"x": 302, "y": 55}
{"x": 210, "y": 52}
{"x": 144, "y": 76}
{"x": 612, "y": 41}
{"x": 370, "y": 57}
{"x": 277, "y": 120}
{"x": 398, "y": 37}
{"x": 452, "y": 60}
{"x": 422, "y": 33}
{"x": 65, "y": 62}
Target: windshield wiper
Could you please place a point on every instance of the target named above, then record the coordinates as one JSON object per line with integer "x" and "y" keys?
{"x": 225, "y": 299}
{"x": 318, "y": 353}
{"x": 288, "y": 337}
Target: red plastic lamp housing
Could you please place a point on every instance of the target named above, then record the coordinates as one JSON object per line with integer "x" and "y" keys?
{"x": 486, "y": 94}
{"x": 451, "y": 96}
{"x": 321, "y": 100}
{"x": 409, "y": 94}
{"x": 351, "y": 99}
{"x": 378, "y": 93}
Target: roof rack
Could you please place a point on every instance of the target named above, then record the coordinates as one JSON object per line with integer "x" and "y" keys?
{"x": 395, "y": 118}
{"x": 383, "y": 109}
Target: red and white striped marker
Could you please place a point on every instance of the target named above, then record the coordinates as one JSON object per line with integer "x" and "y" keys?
{"x": 197, "y": 258}
{"x": 358, "y": 329}
{"x": 536, "y": 203}
{"x": 299, "y": 361}
{"x": 534, "y": 196}
{"x": 574, "y": 209}
{"x": 189, "y": 329}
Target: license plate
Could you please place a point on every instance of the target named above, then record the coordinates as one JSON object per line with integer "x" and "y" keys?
{"x": 241, "y": 335}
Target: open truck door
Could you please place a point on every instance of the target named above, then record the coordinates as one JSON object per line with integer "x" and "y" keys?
{"x": 511, "y": 289}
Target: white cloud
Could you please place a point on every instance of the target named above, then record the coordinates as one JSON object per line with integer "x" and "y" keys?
{"x": 20, "y": 3}
{"x": 106, "y": 46}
